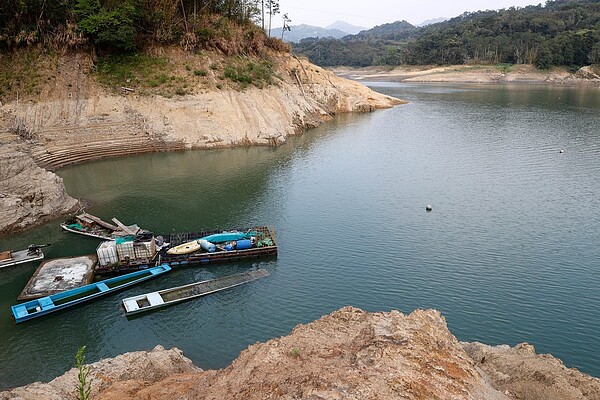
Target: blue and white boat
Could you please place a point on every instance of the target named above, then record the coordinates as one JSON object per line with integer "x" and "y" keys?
{"x": 46, "y": 305}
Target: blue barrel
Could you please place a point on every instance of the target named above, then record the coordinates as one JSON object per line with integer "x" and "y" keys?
{"x": 208, "y": 246}
{"x": 243, "y": 244}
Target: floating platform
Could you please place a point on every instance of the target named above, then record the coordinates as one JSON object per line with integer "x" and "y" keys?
{"x": 265, "y": 246}
{"x": 58, "y": 275}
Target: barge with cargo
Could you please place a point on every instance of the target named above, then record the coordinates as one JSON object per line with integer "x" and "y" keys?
{"x": 134, "y": 253}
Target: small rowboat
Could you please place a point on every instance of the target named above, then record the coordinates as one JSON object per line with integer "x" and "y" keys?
{"x": 162, "y": 298}
{"x": 185, "y": 248}
{"x": 33, "y": 253}
{"x": 45, "y": 305}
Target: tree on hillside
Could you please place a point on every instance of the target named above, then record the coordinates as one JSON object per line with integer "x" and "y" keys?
{"x": 273, "y": 9}
{"x": 286, "y": 25}
{"x": 111, "y": 28}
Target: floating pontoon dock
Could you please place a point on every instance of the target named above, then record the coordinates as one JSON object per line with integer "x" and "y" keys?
{"x": 59, "y": 275}
{"x": 115, "y": 264}
{"x": 162, "y": 298}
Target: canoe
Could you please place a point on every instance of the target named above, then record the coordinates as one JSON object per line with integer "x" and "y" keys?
{"x": 163, "y": 298}
{"x": 228, "y": 236}
{"x": 46, "y": 305}
{"x": 185, "y": 248}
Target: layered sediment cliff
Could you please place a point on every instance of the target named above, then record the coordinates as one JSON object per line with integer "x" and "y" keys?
{"x": 76, "y": 120}
{"x": 28, "y": 193}
{"x": 349, "y": 354}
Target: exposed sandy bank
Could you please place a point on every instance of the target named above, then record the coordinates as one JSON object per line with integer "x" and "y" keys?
{"x": 470, "y": 74}
{"x": 349, "y": 354}
{"x": 74, "y": 119}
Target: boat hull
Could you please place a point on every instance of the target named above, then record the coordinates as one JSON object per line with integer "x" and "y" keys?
{"x": 56, "y": 302}
{"x": 162, "y": 298}
{"x": 94, "y": 235}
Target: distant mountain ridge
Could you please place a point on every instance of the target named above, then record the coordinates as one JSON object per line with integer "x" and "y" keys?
{"x": 559, "y": 33}
{"x": 337, "y": 30}
{"x": 392, "y": 31}
{"x": 433, "y": 21}
{"x": 346, "y": 27}
{"x": 303, "y": 31}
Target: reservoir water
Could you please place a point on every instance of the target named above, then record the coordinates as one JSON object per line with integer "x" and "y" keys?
{"x": 510, "y": 252}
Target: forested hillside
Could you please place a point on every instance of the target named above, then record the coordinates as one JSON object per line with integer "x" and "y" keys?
{"x": 121, "y": 26}
{"x": 162, "y": 47}
{"x": 561, "y": 32}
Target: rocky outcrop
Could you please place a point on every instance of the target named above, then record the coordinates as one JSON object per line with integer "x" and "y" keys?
{"x": 76, "y": 120}
{"x": 28, "y": 193}
{"x": 349, "y": 354}
{"x": 138, "y": 369}
{"x": 524, "y": 374}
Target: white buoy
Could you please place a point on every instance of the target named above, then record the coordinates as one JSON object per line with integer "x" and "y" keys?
{"x": 429, "y": 207}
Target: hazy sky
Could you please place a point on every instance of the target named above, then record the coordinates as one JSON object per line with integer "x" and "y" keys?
{"x": 376, "y": 12}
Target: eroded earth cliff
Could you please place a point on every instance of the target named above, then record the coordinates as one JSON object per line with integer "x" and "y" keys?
{"x": 349, "y": 354}
{"x": 74, "y": 119}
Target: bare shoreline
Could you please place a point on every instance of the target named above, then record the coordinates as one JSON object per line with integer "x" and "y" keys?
{"x": 527, "y": 74}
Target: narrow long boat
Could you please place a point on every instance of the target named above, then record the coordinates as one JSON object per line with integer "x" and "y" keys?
{"x": 55, "y": 302}
{"x": 162, "y": 298}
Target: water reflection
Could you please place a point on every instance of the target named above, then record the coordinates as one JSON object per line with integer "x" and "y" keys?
{"x": 509, "y": 253}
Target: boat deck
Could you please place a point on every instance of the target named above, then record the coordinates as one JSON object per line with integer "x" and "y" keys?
{"x": 11, "y": 258}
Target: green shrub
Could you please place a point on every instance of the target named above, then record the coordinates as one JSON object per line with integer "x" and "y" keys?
{"x": 504, "y": 68}
{"x": 200, "y": 72}
{"x": 250, "y": 72}
{"x": 84, "y": 382}
{"x": 131, "y": 70}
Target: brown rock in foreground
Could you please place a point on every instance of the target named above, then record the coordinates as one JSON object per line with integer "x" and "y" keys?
{"x": 137, "y": 369}
{"x": 352, "y": 354}
{"x": 526, "y": 375}
{"x": 349, "y": 354}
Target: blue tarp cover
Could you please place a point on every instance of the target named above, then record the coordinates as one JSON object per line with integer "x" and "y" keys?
{"x": 228, "y": 236}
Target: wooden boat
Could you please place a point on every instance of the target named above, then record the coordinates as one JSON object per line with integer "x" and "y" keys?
{"x": 90, "y": 225}
{"x": 55, "y": 302}
{"x": 33, "y": 253}
{"x": 185, "y": 248}
{"x": 162, "y": 298}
